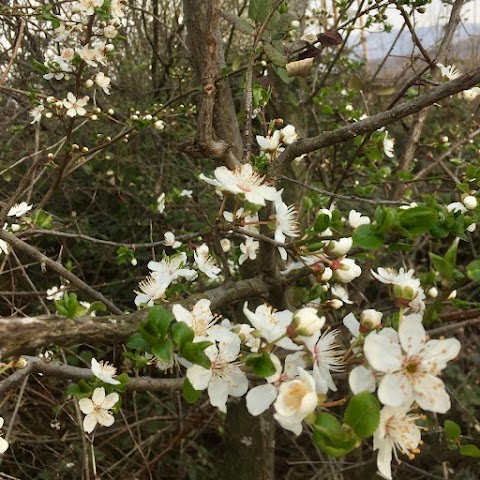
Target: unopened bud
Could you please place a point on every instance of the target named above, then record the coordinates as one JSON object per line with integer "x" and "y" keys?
{"x": 432, "y": 292}
{"x": 110, "y": 111}
{"x": 89, "y": 83}
{"x": 371, "y": 318}
{"x": 306, "y": 321}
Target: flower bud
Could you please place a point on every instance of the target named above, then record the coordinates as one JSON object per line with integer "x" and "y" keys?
{"x": 306, "y": 321}
{"x": 471, "y": 228}
{"x": 225, "y": 244}
{"x": 326, "y": 275}
{"x": 134, "y": 262}
{"x": 371, "y": 319}
{"x": 109, "y": 47}
{"x": 345, "y": 270}
{"x": 148, "y": 117}
{"x": 452, "y": 295}
{"x": 340, "y": 247}
{"x": 159, "y": 124}
{"x": 110, "y": 111}
{"x": 335, "y": 304}
{"x": 294, "y": 23}
{"x": 48, "y": 115}
{"x": 89, "y": 83}
{"x": 51, "y": 99}
{"x": 470, "y": 202}
{"x": 432, "y": 292}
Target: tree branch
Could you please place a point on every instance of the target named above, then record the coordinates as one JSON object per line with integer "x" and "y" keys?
{"x": 16, "y": 243}
{"x": 370, "y": 124}
{"x": 20, "y": 334}
{"x": 62, "y": 370}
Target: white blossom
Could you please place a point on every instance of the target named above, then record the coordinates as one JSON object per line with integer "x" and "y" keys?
{"x": 97, "y": 409}
{"x": 104, "y": 371}
{"x": 224, "y": 377}
{"x": 346, "y": 270}
{"x": 200, "y": 319}
{"x": 450, "y": 71}
{"x": 205, "y": 262}
{"x": 296, "y": 400}
{"x": 249, "y": 250}
{"x": 470, "y": 202}
{"x": 170, "y": 240}
{"x": 75, "y": 106}
{"x": 103, "y": 82}
{"x": 411, "y": 365}
{"x": 243, "y": 180}
{"x": 36, "y": 113}
{"x": 272, "y": 325}
{"x": 288, "y": 134}
{"x": 306, "y": 321}
{"x": 355, "y": 219}
{"x": 3, "y": 443}
{"x": 397, "y": 430}
{"x": 161, "y": 203}
{"x": 19, "y": 209}
{"x": 388, "y": 146}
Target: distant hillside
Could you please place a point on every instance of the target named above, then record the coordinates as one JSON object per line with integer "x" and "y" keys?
{"x": 465, "y": 49}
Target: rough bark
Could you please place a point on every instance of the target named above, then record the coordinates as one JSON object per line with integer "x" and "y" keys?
{"x": 218, "y": 131}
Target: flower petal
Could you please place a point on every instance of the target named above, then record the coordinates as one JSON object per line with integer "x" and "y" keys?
{"x": 436, "y": 354}
{"x": 199, "y": 377}
{"x": 110, "y": 400}
{"x": 260, "y": 398}
{"x": 395, "y": 389}
{"x": 3, "y": 445}
{"x": 361, "y": 379}
{"x": 218, "y": 393}
{"x": 430, "y": 394}
{"x": 382, "y": 353}
{"x": 90, "y": 422}
{"x": 98, "y": 396}
{"x": 105, "y": 418}
{"x": 86, "y": 405}
{"x": 412, "y": 333}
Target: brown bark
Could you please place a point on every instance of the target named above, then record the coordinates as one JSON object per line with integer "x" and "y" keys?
{"x": 218, "y": 134}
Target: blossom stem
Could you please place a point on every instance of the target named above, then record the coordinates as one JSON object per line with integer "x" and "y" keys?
{"x": 342, "y": 401}
{"x": 7, "y": 366}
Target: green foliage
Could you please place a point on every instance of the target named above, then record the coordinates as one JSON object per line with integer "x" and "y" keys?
{"x": 42, "y": 219}
{"x": 368, "y": 237}
{"x": 189, "y": 393}
{"x": 473, "y": 270}
{"x": 261, "y": 363}
{"x": 69, "y": 306}
{"x": 258, "y": 10}
{"x": 332, "y": 437}
{"x": 363, "y": 414}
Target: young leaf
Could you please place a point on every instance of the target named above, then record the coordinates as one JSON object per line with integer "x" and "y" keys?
{"x": 160, "y": 318}
{"x": 182, "y": 333}
{"x": 363, "y": 414}
{"x": 163, "y": 350}
{"x": 470, "y": 450}
{"x": 473, "y": 270}
{"x": 262, "y": 364}
{"x": 258, "y": 10}
{"x": 452, "y": 431}
{"x": 189, "y": 393}
{"x": 365, "y": 236}
{"x": 194, "y": 352}
{"x": 417, "y": 220}
{"x": 333, "y": 438}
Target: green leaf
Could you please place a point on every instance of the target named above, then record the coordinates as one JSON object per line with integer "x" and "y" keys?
{"x": 469, "y": 450}
{"x": 452, "y": 431}
{"x": 194, "y": 352}
{"x": 182, "y": 333}
{"x": 69, "y": 306}
{"x": 160, "y": 318}
{"x": 138, "y": 342}
{"x": 258, "y": 10}
{"x": 189, "y": 393}
{"x": 123, "y": 378}
{"x": 42, "y": 220}
{"x": 163, "y": 350}
{"x": 262, "y": 364}
{"x": 276, "y": 57}
{"x": 365, "y": 236}
{"x": 80, "y": 390}
{"x": 96, "y": 307}
{"x": 321, "y": 223}
{"x": 333, "y": 438}
{"x": 441, "y": 265}
{"x": 473, "y": 270}
{"x": 417, "y": 220}
{"x": 385, "y": 218}
{"x": 363, "y": 414}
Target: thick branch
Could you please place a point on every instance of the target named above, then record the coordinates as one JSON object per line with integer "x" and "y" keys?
{"x": 18, "y": 335}
{"x": 370, "y": 124}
